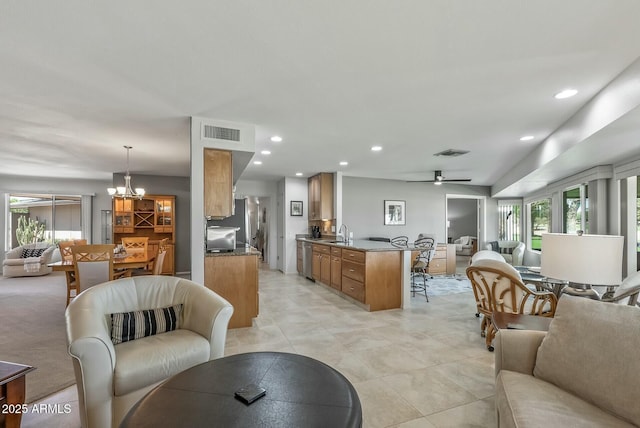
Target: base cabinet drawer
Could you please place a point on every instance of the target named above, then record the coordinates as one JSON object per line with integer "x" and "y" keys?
{"x": 353, "y": 288}
{"x": 353, "y": 270}
{"x": 437, "y": 266}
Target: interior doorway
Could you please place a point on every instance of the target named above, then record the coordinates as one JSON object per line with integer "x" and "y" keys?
{"x": 466, "y": 217}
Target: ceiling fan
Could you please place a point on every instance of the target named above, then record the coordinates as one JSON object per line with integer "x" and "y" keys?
{"x": 439, "y": 179}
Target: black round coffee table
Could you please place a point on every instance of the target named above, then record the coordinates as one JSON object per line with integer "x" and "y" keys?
{"x": 301, "y": 392}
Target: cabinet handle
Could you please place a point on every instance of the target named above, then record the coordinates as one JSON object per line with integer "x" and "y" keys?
{"x": 351, "y": 270}
{"x": 351, "y": 288}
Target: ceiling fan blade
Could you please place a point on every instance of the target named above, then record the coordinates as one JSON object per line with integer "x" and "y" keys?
{"x": 457, "y": 179}
{"x": 420, "y": 181}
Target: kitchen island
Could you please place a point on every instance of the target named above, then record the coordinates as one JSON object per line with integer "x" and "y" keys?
{"x": 375, "y": 274}
{"x": 234, "y": 276}
{"x": 369, "y": 272}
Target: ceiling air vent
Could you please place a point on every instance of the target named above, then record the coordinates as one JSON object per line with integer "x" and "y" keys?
{"x": 452, "y": 152}
{"x": 220, "y": 133}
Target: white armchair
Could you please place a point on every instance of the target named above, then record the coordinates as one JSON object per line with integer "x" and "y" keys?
{"x": 465, "y": 245}
{"x": 112, "y": 378}
{"x": 17, "y": 263}
{"x": 512, "y": 251}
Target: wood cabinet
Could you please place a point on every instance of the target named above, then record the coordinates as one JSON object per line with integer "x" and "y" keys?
{"x": 122, "y": 215}
{"x": 235, "y": 277}
{"x": 444, "y": 261}
{"x": 321, "y": 196}
{"x": 373, "y": 277}
{"x": 218, "y": 183}
{"x": 321, "y": 263}
{"x": 336, "y": 268}
{"x": 153, "y": 217}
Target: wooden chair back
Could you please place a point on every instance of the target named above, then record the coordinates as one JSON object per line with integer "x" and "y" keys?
{"x": 159, "y": 261}
{"x": 65, "y": 248}
{"x": 136, "y": 245}
{"x": 93, "y": 264}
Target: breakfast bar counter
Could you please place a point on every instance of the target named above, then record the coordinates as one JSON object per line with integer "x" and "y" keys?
{"x": 234, "y": 276}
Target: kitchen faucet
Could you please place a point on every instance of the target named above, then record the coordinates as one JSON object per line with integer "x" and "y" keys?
{"x": 345, "y": 236}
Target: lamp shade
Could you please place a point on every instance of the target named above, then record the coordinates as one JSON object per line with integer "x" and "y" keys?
{"x": 585, "y": 259}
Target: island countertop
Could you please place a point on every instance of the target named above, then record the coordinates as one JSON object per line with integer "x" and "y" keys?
{"x": 357, "y": 244}
{"x": 247, "y": 251}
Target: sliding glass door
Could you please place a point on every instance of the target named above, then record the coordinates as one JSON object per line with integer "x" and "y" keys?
{"x": 60, "y": 214}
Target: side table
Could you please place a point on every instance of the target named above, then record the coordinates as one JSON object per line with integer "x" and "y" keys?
{"x": 12, "y": 393}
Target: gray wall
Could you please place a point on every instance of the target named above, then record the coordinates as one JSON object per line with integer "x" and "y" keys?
{"x": 463, "y": 215}
{"x": 363, "y": 203}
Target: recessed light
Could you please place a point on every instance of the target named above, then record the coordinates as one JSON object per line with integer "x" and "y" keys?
{"x": 527, "y": 138}
{"x": 257, "y": 162}
{"x": 265, "y": 152}
{"x": 566, "y": 93}
{"x": 376, "y": 148}
{"x": 298, "y": 174}
{"x": 276, "y": 138}
{"x": 344, "y": 163}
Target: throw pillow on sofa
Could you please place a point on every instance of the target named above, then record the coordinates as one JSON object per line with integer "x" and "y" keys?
{"x": 31, "y": 252}
{"x": 591, "y": 351}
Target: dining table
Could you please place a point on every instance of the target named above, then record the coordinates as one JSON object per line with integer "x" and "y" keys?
{"x": 129, "y": 261}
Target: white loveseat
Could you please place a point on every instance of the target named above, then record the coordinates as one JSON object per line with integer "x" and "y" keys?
{"x": 14, "y": 264}
{"x": 112, "y": 378}
{"x": 512, "y": 251}
{"x": 581, "y": 373}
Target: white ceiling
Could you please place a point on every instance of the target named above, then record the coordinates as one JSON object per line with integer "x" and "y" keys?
{"x": 78, "y": 80}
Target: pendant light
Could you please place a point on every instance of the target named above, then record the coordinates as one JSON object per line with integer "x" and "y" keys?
{"x": 126, "y": 192}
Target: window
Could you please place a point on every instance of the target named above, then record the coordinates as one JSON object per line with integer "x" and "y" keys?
{"x": 540, "y": 222}
{"x": 61, "y": 215}
{"x": 575, "y": 210}
{"x": 509, "y": 220}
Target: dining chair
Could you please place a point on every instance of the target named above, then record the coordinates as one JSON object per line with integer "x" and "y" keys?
{"x": 420, "y": 265}
{"x": 67, "y": 256}
{"x": 136, "y": 245}
{"x": 157, "y": 263}
{"x": 93, "y": 264}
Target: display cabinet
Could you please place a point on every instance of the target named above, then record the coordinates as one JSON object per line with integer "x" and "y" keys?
{"x": 152, "y": 216}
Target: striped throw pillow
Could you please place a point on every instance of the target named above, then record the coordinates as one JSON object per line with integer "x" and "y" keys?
{"x": 31, "y": 252}
{"x": 127, "y": 326}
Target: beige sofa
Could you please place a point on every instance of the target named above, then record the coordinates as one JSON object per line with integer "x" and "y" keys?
{"x": 582, "y": 373}
{"x": 111, "y": 377}
{"x": 15, "y": 265}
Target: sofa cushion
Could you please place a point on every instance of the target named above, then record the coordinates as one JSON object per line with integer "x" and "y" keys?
{"x": 591, "y": 351}
{"x": 126, "y": 326}
{"x": 506, "y": 250}
{"x": 145, "y": 361}
{"x": 31, "y": 252}
{"x": 525, "y": 401}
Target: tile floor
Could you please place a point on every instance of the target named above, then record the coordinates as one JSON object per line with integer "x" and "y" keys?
{"x": 425, "y": 366}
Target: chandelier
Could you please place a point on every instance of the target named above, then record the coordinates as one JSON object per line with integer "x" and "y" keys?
{"x": 126, "y": 192}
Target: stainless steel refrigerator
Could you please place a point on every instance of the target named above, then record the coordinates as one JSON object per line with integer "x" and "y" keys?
{"x": 240, "y": 220}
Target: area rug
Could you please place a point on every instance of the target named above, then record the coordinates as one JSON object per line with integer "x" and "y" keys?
{"x": 32, "y": 331}
{"x": 443, "y": 285}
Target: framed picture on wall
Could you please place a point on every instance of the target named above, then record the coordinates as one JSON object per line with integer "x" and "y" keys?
{"x": 296, "y": 208}
{"x": 394, "y": 213}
